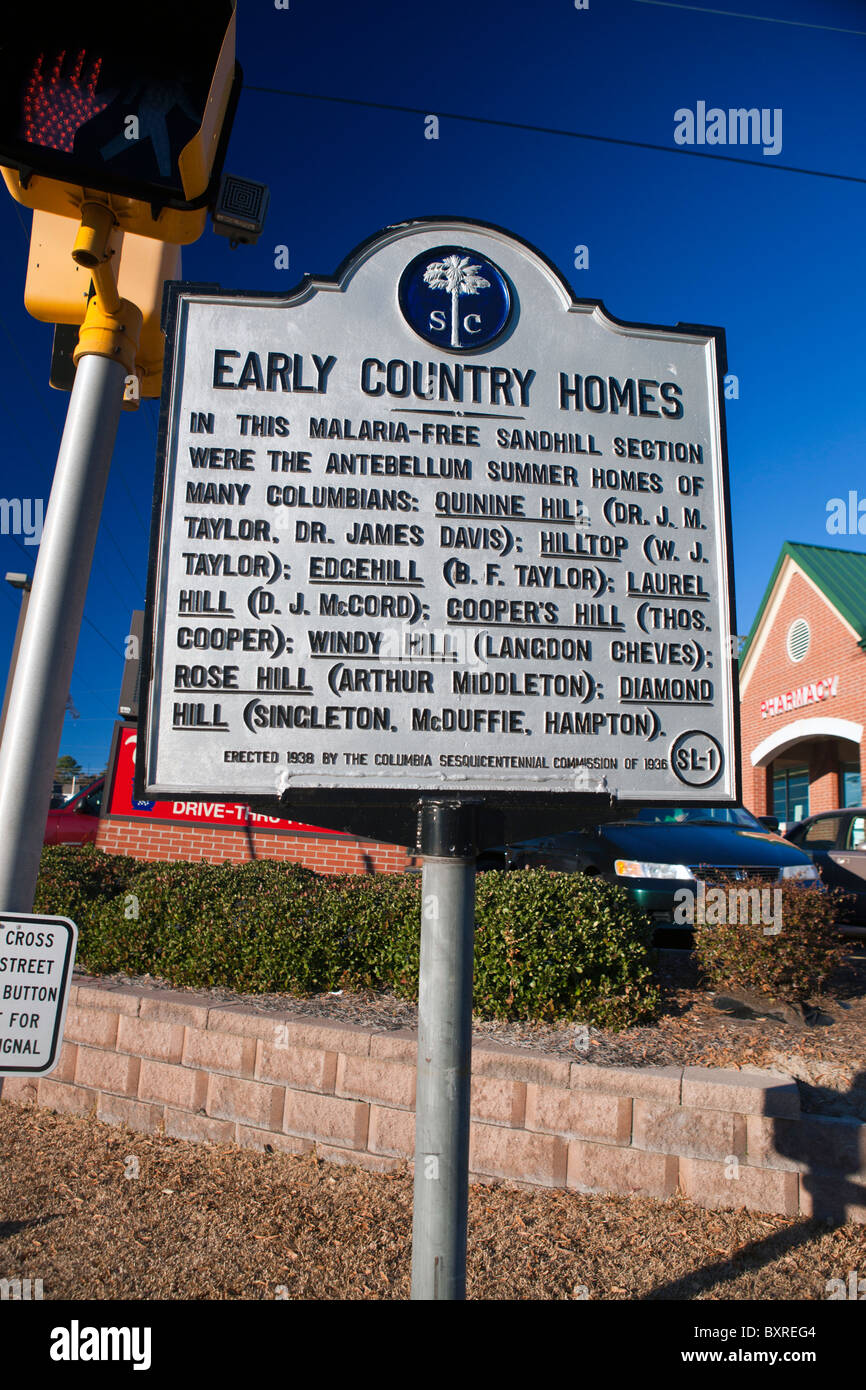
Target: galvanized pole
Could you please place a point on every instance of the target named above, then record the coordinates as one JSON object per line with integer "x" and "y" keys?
{"x": 448, "y": 842}
{"x": 43, "y": 674}
{"x": 22, "y": 582}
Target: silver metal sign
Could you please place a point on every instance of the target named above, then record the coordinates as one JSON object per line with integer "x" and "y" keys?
{"x": 36, "y": 959}
{"x": 436, "y": 525}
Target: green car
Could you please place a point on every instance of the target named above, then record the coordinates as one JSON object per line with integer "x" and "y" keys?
{"x": 657, "y": 851}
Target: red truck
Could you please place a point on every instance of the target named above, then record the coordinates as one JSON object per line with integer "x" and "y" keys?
{"x": 76, "y": 822}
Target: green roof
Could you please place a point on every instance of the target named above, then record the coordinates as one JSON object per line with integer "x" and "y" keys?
{"x": 839, "y": 574}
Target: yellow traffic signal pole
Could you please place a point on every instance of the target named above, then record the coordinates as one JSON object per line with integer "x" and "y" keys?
{"x": 105, "y": 356}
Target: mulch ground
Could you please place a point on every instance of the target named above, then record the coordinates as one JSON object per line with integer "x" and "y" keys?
{"x": 98, "y": 1212}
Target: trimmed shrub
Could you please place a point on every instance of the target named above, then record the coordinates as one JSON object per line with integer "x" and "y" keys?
{"x": 75, "y": 880}
{"x": 561, "y": 946}
{"x": 790, "y": 964}
{"x": 247, "y": 927}
{"x": 374, "y": 924}
{"x": 548, "y": 945}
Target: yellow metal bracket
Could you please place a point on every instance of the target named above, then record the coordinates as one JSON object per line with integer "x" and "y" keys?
{"x": 112, "y": 326}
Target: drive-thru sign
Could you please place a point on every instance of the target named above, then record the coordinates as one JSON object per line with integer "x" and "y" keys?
{"x": 436, "y": 526}
{"x": 36, "y": 959}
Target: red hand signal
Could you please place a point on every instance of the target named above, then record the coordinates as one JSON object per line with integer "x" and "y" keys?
{"x": 55, "y": 110}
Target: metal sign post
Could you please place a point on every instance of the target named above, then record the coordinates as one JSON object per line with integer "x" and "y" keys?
{"x": 448, "y": 842}
{"x": 34, "y": 720}
{"x": 435, "y": 533}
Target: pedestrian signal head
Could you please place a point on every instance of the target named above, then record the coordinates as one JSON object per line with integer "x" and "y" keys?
{"x": 139, "y": 111}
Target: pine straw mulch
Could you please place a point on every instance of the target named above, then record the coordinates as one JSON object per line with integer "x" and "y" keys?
{"x": 203, "y": 1221}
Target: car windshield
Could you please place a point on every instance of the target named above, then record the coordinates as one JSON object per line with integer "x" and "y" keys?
{"x": 698, "y": 815}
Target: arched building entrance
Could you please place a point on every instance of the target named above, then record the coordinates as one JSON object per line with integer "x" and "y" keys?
{"x": 803, "y": 686}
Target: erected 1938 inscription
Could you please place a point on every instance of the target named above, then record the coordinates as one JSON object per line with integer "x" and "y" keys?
{"x": 435, "y": 525}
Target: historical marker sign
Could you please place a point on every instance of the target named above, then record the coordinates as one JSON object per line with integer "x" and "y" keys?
{"x": 36, "y": 959}
{"x": 434, "y": 525}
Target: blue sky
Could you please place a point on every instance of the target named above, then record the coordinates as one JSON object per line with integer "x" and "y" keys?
{"x": 719, "y": 234}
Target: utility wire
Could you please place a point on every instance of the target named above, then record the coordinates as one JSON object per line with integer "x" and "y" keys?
{"x": 764, "y": 18}
{"x": 106, "y": 640}
{"x": 37, "y": 392}
{"x": 84, "y": 616}
{"x": 555, "y": 130}
{"x": 103, "y": 526}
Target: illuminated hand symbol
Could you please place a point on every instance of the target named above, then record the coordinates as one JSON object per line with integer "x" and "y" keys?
{"x": 55, "y": 108}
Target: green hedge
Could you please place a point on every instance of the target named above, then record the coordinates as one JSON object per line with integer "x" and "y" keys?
{"x": 74, "y": 880}
{"x": 566, "y": 946}
{"x": 548, "y": 945}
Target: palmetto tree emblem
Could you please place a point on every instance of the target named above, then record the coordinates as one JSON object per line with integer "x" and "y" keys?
{"x": 456, "y": 276}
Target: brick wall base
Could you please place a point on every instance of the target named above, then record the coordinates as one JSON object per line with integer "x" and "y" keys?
{"x": 159, "y": 1060}
{"x": 327, "y": 854}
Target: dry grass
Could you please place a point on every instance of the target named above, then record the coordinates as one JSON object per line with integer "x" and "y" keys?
{"x": 215, "y": 1222}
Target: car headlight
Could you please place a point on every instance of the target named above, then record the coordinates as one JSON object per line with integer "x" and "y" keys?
{"x": 633, "y": 868}
{"x": 807, "y": 872}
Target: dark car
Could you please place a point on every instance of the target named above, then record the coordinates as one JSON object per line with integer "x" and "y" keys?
{"x": 836, "y": 841}
{"x": 659, "y": 850}
{"x": 77, "y": 821}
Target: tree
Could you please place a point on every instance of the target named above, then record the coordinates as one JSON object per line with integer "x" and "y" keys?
{"x": 456, "y": 276}
{"x": 66, "y": 768}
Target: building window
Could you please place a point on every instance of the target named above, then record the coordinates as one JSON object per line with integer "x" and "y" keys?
{"x": 823, "y": 833}
{"x": 857, "y": 833}
{"x": 791, "y": 793}
{"x": 850, "y": 793}
{"x": 799, "y": 637}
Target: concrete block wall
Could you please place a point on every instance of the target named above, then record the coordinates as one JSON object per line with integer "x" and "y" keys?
{"x": 157, "y": 1060}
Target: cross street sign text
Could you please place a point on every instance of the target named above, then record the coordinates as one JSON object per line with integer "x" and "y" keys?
{"x": 36, "y": 959}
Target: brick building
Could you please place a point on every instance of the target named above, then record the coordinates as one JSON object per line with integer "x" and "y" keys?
{"x": 803, "y": 685}
{"x": 224, "y": 832}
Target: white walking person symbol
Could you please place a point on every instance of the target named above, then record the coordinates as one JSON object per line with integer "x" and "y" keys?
{"x": 455, "y": 275}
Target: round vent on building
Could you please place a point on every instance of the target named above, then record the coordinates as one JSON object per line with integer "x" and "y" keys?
{"x": 798, "y": 639}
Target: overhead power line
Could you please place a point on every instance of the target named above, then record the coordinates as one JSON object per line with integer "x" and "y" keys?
{"x": 106, "y": 640}
{"x": 58, "y": 429}
{"x": 86, "y": 690}
{"x": 84, "y": 616}
{"x": 763, "y": 18}
{"x": 555, "y": 130}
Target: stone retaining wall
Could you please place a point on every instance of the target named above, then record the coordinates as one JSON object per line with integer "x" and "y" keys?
{"x": 159, "y": 1060}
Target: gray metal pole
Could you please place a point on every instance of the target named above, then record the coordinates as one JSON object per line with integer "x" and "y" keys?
{"x": 441, "y": 1192}
{"x": 24, "y": 586}
{"x": 43, "y": 674}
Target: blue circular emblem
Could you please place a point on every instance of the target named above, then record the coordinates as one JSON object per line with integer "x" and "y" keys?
{"x": 455, "y": 299}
